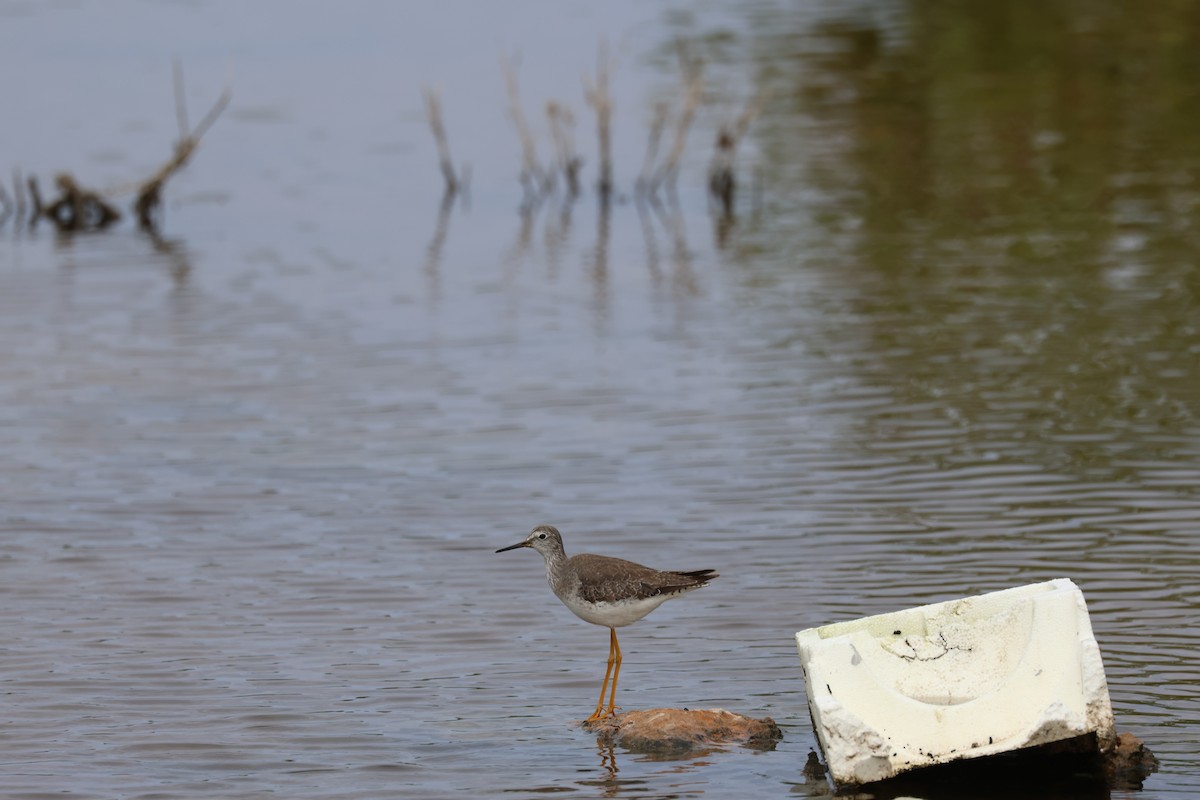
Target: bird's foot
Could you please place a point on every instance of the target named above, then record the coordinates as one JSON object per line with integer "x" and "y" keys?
{"x": 600, "y": 715}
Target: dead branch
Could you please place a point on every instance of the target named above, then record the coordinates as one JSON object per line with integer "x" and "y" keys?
{"x": 533, "y": 178}
{"x": 19, "y": 192}
{"x": 433, "y": 112}
{"x": 35, "y": 198}
{"x": 599, "y": 98}
{"x": 6, "y": 204}
{"x": 180, "y": 99}
{"x": 149, "y": 197}
{"x": 693, "y": 72}
{"x": 722, "y": 183}
{"x": 562, "y": 124}
{"x": 750, "y": 113}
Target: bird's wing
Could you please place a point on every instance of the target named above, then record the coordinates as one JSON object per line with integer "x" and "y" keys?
{"x": 609, "y": 579}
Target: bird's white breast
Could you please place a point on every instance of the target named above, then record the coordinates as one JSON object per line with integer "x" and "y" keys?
{"x": 613, "y": 615}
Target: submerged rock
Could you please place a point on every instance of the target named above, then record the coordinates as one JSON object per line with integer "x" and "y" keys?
{"x": 663, "y": 731}
{"x": 1129, "y": 762}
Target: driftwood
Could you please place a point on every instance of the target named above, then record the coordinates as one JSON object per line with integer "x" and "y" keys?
{"x": 76, "y": 208}
{"x": 149, "y": 196}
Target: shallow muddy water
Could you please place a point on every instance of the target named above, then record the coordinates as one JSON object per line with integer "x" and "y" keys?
{"x": 256, "y": 467}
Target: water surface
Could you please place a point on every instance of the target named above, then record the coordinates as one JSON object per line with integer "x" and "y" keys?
{"x": 257, "y": 466}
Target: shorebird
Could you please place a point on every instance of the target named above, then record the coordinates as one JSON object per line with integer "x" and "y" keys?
{"x": 607, "y": 591}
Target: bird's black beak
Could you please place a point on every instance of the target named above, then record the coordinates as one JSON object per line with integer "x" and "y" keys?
{"x": 513, "y": 546}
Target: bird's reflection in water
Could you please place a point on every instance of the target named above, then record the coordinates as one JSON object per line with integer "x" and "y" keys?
{"x": 612, "y": 785}
{"x": 608, "y": 769}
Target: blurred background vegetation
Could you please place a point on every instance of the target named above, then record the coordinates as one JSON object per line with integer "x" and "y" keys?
{"x": 1014, "y": 187}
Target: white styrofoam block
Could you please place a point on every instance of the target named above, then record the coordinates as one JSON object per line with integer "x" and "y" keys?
{"x": 954, "y": 680}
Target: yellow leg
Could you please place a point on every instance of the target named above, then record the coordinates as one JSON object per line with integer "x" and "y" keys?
{"x": 599, "y": 714}
{"x": 612, "y": 697}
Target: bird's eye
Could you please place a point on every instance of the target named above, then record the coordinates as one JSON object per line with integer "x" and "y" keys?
{"x": 541, "y": 536}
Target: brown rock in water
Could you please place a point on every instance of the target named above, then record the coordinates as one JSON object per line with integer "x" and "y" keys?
{"x": 662, "y": 731}
{"x": 1128, "y": 762}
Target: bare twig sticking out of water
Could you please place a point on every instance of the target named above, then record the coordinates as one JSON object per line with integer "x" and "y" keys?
{"x": 562, "y": 124}
{"x": 693, "y": 78}
{"x": 599, "y": 98}
{"x": 722, "y": 184}
{"x": 6, "y": 205}
{"x": 35, "y": 198}
{"x": 149, "y": 197}
{"x": 533, "y": 179}
{"x": 181, "y": 115}
{"x": 19, "y": 193}
{"x": 433, "y": 112}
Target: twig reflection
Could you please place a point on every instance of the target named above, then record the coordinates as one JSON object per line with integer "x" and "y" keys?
{"x": 651, "y": 240}
{"x": 433, "y": 251}
{"x": 175, "y": 253}
{"x": 670, "y": 216}
{"x": 519, "y": 251}
{"x": 599, "y": 265}
{"x": 557, "y": 233}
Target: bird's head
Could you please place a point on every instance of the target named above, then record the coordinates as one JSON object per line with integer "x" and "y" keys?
{"x": 544, "y": 538}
